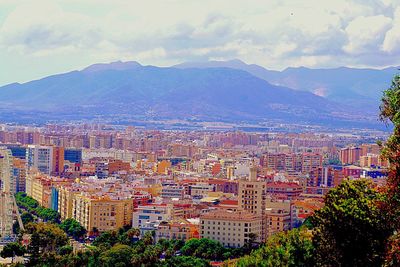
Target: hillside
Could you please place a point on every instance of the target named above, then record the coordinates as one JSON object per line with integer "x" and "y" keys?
{"x": 146, "y": 91}
{"x": 352, "y": 86}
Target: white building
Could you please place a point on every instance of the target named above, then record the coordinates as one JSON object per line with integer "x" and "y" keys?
{"x": 40, "y": 157}
{"x": 231, "y": 229}
{"x": 148, "y": 217}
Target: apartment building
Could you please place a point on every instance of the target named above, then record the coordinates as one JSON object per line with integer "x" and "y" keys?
{"x": 231, "y": 229}
{"x": 176, "y": 230}
{"x": 252, "y": 196}
{"x": 148, "y": 217}
{"x": 102, "y": 213}
{"x": 279, "y": 216}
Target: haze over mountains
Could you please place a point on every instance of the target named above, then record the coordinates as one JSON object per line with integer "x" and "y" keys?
{"x": 356, "y": 87}
{"x": 214, "y": 91}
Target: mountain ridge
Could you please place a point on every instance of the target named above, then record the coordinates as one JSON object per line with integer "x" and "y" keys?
{"x": 133, "y": 90}
{"x": 353, "y": 86}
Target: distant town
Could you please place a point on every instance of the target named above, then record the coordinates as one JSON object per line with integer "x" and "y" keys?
{"x": 226, "y": 186}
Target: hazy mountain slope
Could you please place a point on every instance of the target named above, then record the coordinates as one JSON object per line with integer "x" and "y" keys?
{"x": 356, "y": 87}
{"x": 135, "y": 90}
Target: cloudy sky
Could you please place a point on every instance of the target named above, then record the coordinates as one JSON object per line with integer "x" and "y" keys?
{"x": 39, "y": 38}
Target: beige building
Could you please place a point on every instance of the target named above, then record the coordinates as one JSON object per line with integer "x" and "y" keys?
{"x": 66, "y": 195}
{"x": 176, "y": 229}
{"x": 232, "y": 229}
{"x": 38, "y": 187}
{"x": 252, "y": 196}
{"x": 278, "y": 216}
{"x": 102, "y": 213}
{"x": 7, "y": 182}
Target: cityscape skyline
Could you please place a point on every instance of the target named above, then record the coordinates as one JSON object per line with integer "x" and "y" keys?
{"x": 211, "y": 133}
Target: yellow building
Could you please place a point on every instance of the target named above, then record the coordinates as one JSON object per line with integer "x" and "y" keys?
{"x": 65, "y": 198}
{"x": 38, "y": 187}
{"x": 102, "y": 213}
{"x": 154, "y": 190}
{"x": 162, "y": 167}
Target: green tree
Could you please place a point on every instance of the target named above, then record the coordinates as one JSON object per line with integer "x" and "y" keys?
{"x": 390, "y": 113}
{"x": 27, "y": 218}
{"x": 73, "y": 228}
{"x": 133, "y": 232}
{"x": 148, "y": 238}
{"x": 106, "y": 239}
{"x": 65, "y": 250}
{"x": 184, "y": 261}
{"x": 11, "y": 250}
{"x": 350, "y": 230}
{"x": 47, "y": 214}
{"x": 46, "y": 238}
{"x": 292, "y": 248}
{"x": 118, "y": 255}
{"x": 204, "y": 248}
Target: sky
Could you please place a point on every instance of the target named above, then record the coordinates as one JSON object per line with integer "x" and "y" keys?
{"x": 43, "y": 37}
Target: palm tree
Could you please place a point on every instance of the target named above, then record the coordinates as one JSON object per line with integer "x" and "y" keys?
{"x": 133, "y": 232}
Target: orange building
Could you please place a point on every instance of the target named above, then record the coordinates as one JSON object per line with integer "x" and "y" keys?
{"x": 58, "y": 160}
{"x": 163, "y": 166}
{"x": 216, "y": 169}
{"x": 116, "y": 166}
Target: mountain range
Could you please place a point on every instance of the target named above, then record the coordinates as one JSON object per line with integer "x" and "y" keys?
{"x": 213, "y": 91}
{"x": 356, "y": 87}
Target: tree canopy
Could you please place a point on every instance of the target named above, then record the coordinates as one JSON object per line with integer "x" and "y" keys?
{"x": 350, "y": 230}
{"x": 12, "y": 250}
{"x": 73, "y": 228}
{"x": 292, "y": 248}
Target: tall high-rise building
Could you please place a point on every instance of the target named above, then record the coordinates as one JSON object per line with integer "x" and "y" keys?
{"x": 19, "y": 174}
{"x": 325, "y": 177}
{"x": 40, "y": 157}
{"x": 73, "y": 155}
{"x": 58, "y": 160}
{"x": 6, "y": 178}
{"x": 47, "y": 159}
{"x": 252, "y": 196}
{"x": 350, "y": 155}
{"x": 7, "y": 185}
{"x": 311, "y": 161}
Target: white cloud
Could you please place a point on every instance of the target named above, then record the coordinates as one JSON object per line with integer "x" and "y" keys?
{"x": 61, "y": 35}
{"x": 365, "y": 34}
{"x": 392, "y": 37}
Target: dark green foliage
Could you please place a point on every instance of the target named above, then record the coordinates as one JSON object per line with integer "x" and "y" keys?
{"x": 27, "y": 218}
{"x": 12, "y": 250}
{"x": 307, "y": 223}
{"x": 73, "y": 228}
{"x": 350, "y": 230}
{"x": 65, "y": 250}
{"x": 119, "y": 255}
{"x": 206, "y": 249}
{"x": 30, "y": 205}
{"x": 293, "y": 248}
{"x": 184, "y": 261}
{"x": 106, "y": 239}
{"x": 390, "y": 112}
{"x": 46, "y": 239}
